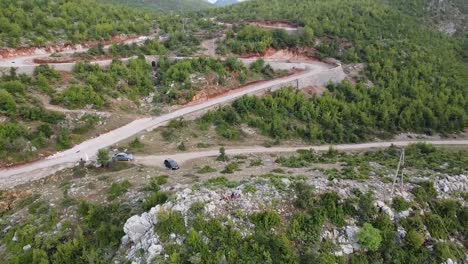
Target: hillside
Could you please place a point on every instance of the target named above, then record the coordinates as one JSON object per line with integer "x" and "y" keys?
{"x": 36, "y": 23}
{"x": 401, "y": 55}
{"x": 448, "y": 16}
{"x": 268, "y": 131}
{"x": 165, "y": 5}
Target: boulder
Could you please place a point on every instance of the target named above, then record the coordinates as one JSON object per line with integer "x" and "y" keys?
{"x": 136, "y": 226}
{"x": 153, "y": 251}
{"x": 347, "y": 249}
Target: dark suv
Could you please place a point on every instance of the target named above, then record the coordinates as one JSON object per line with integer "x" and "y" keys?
{"x": 171, "y": 164}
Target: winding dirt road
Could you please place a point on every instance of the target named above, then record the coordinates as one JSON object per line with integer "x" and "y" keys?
{"x": 20, "y": 174}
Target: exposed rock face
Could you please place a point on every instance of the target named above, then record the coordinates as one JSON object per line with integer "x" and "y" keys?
{"x": 446, "y": 184}
{"x": 345, "y": 238}
{"x": 137, "y": 226}
{"x": 386, "y": 209}
{"x": 140, "y": 236}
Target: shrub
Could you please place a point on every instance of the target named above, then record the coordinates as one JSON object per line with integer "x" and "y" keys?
{"x": 222, "y": 155}
{"x": 435, "y": 226}
{"x": 369, "y": 237}
{"x": 250, "y": 189}
{"x": 182, "y": 147}
{"x": 168, "y": 223}
{"x": 231, "y": 168}
{"x": 103, "y": 157}
{"x": 118, "y": 189}
{"x": 414, "y": 239}
{"x": 154, "y": 199}
{"x": 256, "y": 163}
{"x": 266, "y": 220}
{"x": 206, "y": 169}
{"x": 220, "y": 182}
{"x": 399, "y": 204}
{"x": 425, "y": 192}
{"x": 197, "y": 208}
{"x": 136, "y": 144}
{"x": 64, "y": 139}
{"x": 7, "y": 103}
{"x": 367, "y": 209}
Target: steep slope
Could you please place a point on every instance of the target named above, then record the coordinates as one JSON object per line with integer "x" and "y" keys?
{"x": 34, "y": 22}
{"x": 166, "y": 5}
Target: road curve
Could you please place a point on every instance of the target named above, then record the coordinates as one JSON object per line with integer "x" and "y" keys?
{"x": 181, "y": 158}
{"x": 20, "y": 174}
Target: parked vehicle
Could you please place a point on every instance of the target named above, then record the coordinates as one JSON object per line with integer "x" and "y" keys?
{"x": 123, "y": 157}
{"x": 171, "y": 164}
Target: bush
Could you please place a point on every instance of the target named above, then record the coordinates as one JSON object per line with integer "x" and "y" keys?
{"x": 414, "y": 239}
{"x": 168, "y": 223}
{"x": 118, "y": 189}
{"x": 266, "y": 220}
{"x": 435, "y": 226}
{"x": 7, "y": 103}
{"x": 222, "y": 155}
{"x": 369, "y": 237}
{"x": 103, "y": 157}
{"x": 136, "y": 144}
{"x": 64, "y": 139}
{"x": 182, "y": 147}
{"x": 425, "y": 192}
{"x": 206, "y": 169}
{"x": 400, "y": 204}
{"x": 250, "y": 189}
{"x": 231, "y": 168}
{"x": 154, "y": 199}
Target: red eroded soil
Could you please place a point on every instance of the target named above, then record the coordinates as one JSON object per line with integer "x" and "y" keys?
{"x": 285, "y": 54}
{"x": 208, "y": 94}
{"x": 274, "y": 23}
{"x": 28, "y": 51}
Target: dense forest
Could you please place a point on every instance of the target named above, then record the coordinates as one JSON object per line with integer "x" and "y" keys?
{"x": 165, "y": 5}
{"x": 419, "y": 79}
{"x": 33, "y": 23}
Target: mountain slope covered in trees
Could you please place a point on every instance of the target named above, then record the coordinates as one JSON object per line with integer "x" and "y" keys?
{"x": 165, "y": 5}
{"x": 34, "y": 22}
{"x": 420, "y": 81}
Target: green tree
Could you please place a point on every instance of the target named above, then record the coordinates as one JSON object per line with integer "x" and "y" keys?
{"x": 7, "y": 103}
{"x": 103, "y": 157}
{"x": 222, "y": 155}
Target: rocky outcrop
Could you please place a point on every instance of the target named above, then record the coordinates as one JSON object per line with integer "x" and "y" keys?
{"x": 345, "y": 238}
{"x": 447, "y": 185}
{"x": 141, "y": 236}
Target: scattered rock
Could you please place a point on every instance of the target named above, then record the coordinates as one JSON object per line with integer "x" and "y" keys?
{"x": 27, "y": 247}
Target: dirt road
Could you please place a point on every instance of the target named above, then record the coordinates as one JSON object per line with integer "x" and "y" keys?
{"x": 181, "y": 158}
{"x": 20, "y": 174}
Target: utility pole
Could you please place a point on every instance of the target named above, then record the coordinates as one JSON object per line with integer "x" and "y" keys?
{"x": 401, "y": 163}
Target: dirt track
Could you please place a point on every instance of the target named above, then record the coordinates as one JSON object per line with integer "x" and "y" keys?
{"x": 20, "y": 175}
{"x": 181, "y": 158}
